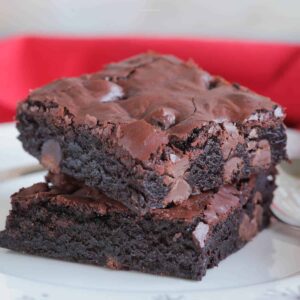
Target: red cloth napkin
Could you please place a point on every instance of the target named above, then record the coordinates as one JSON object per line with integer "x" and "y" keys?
{"x": 28, "y": 62}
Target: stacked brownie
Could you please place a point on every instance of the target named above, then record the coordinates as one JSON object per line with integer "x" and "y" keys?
{"x": 154, "y": 165}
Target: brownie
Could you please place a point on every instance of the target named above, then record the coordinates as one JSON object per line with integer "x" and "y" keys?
{"x": 152, "y": 130}
{"x": 77, "y": 223}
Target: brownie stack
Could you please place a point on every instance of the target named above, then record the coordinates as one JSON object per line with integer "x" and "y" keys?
{"x": 154, "y": 165}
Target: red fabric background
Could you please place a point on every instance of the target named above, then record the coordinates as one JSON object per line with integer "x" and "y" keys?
{"x": 28, "y": 62}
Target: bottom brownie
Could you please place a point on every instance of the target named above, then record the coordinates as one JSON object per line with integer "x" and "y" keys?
{"x": 80, "y": 224}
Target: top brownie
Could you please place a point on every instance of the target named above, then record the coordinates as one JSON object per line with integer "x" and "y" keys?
{"x": 152, "y": 130}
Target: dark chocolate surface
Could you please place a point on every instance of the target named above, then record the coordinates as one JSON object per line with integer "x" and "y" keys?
{"x": 160, "y": 95}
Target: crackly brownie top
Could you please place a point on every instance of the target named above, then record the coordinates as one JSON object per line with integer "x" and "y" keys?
{"x": 160, "y": 95}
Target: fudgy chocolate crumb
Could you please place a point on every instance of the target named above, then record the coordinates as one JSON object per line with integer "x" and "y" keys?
{"x": 84, "y": 225}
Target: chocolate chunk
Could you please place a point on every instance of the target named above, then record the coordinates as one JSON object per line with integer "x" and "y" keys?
{"x": 141, "y": 139}
{"x": 250, "y": 226}
{"x": 163, "y": 117}
{"x": 221, "y": 204}
{"x": 262, "y": 156}
{"x": 179, "y": 192}
{"x": 200, "y": 234}
{"x": 114, "y": 93}
{"x": 103, "y": 90}
{"x": 253, "y": 134}
{"x": 51, "y": 156}
{"x": 91, "y": 121}
{"x": 178, "y": 166}
{"x": 232, "y": 167}
{"x": 232, "y": 138}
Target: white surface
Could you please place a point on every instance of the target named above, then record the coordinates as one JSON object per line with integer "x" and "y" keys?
{"x": 266, "y": 268}
{"x": 243, "y": 19}
{"x": 286, "y": 204}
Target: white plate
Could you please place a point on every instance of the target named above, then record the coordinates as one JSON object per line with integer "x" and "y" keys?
{"x": 267, "y": 268}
